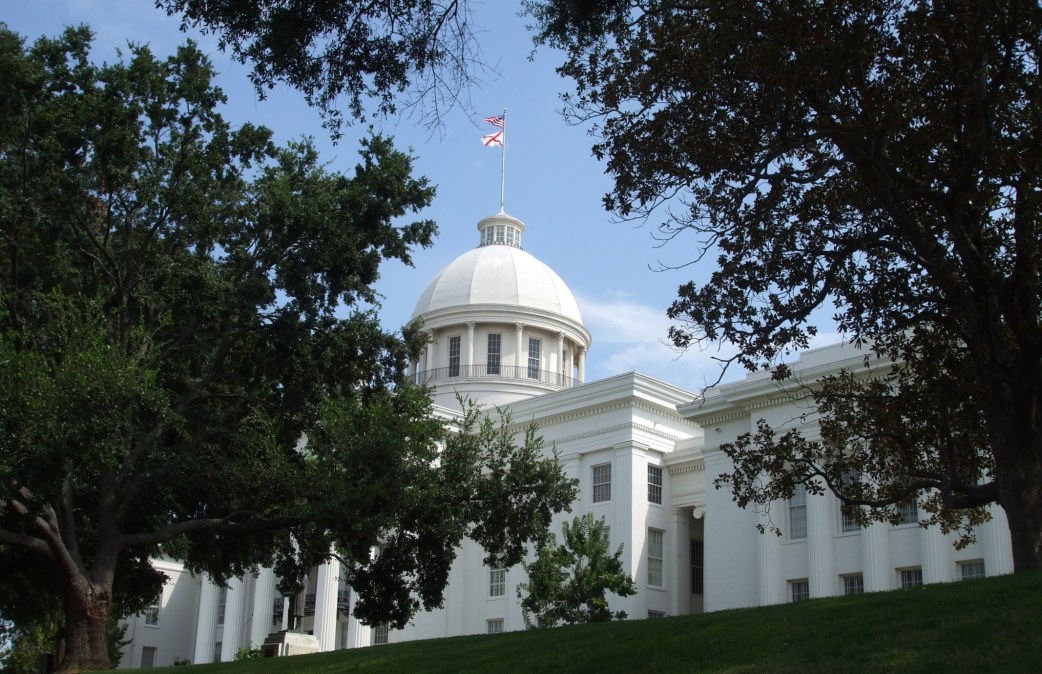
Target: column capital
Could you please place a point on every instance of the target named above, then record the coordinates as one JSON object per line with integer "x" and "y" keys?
{"x": 470, "y": 325}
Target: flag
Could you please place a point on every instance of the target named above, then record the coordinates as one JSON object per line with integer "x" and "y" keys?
{"x": 497, "y": 120}
{"x": 493, "y": 139}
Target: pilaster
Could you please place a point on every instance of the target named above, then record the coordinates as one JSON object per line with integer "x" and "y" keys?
{"x": 326, "y": 588}
{"x": 995, "y": 538}
{"x": 206, "y": 625}
{"x": 821, "y": 572}
{"x": 263, "y": 604}
{"x": 772, "y": 586}
{"x": 877, "y": 572}
{"x": 234, "y": 606}
{"x": 936, "y": 552}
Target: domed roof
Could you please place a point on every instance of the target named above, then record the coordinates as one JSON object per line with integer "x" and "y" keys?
{"x": 499, "y": 274}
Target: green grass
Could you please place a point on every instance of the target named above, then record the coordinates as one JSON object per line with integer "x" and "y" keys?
{"x": 988, "y": 625}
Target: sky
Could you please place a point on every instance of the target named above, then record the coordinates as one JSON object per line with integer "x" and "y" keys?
{"x": 552, "y": 182}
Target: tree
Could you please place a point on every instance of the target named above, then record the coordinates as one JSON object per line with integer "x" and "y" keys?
{"x": 397, "y": 55}
{"x": 567, "y": 583}
{"x": 878, "y": 156}
{"x": 192, "y": 364}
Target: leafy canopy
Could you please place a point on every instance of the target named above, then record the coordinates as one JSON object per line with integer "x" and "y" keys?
{"x": 875, "y": 160}
{"x": 191, "y": 360}
{"x": 404, "y": 55}
{"x": 568, "y": 583}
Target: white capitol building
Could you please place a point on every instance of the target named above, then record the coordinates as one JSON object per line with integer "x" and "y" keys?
{"x": 507, "y": 331}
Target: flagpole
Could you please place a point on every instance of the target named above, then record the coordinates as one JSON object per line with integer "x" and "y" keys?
{"x": 503, "y": 167}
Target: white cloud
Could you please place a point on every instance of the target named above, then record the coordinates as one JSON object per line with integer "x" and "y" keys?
{"x": 631, "y": 336}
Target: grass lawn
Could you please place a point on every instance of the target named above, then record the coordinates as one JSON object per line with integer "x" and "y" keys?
{"x": 987, "y": 625}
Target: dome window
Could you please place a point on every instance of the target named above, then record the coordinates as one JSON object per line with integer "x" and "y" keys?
{"x": 501, "y": 235}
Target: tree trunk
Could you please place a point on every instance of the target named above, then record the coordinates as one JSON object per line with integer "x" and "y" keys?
{"x": 87, "y": 609}
{"x": 1016, "y": 443}
{"x": 1021, "y": 494}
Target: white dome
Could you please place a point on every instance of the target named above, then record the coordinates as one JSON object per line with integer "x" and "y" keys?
{"x": 499, "y": 275}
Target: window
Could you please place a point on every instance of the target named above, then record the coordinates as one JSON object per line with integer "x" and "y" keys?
{"x": 152, "y": 615}
{"x": 908, "y": 512}
{"x": 655, "y": 484}
{"x": 798, "y": 513}
{"x": 656, "y": 614}
{"x": 851, "y": 487}
{"x": 970, "y": 570}
{"x": 217, "y": 651}
{"x": 495, "y": 345}
{"x": 697, "y": 567}
{"x": 380, "y": 635}
{"x": 602, "y": 483}
{"x": 911, "y": 577}
{"x": 494, "y": 626}
{"x": 497, "y": 581}
{"x": 655, "y": 538}
{"x": 848, "y": 523}
{"x": 853, "y": 583}
{"x": 222, "y": 600}
{"x": 799, "y": 590}
{"x": 276, "y": 610}
{"x": 534, "y": 352}
{"x": 454, "y": 351}
{"x": 148, "y": 656}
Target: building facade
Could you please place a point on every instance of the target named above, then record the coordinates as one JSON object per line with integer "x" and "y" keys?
{"x": 506, "y": 331}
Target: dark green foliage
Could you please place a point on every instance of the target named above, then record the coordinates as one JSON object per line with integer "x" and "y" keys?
{"x": 875, "y": 160}
{"x": 395, "y": 55}
{"x": 189, "y": 359}
{"x": 567, "y": 583}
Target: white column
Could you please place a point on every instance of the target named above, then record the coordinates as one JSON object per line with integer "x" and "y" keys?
{"x": 936, "y": 551}
{"x": 561, "y": 365}
{"x": 206, "y": 625}
{"x": 470, "y": 349}
{"x": 325, "y": 604}
{"x": 582, "y": 364}
{"x": 772, "y": 586}
{"x": 517, "y": 355}
{"x": 286, "y": 603}
{"x": 820, "y": 565}
{"x": 629, "y": 518}
{"x": 358, "y": 635}
{"x": 263, "y": 604}
{"x": 877, "y": 571}
{"x": 679, "y": 535}
{"x": 233, "y": 610}
{"x": 997, "y": 544}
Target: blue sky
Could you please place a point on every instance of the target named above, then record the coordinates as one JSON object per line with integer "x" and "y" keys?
{"x": 553, "y": 184}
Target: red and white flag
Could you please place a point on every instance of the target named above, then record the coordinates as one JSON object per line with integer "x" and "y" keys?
{"x": 493, "y": 139}
{"x": 497, "y": 120}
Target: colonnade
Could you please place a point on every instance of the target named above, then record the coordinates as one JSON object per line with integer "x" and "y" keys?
{"x": 436, "y": 353}
{"x": 936, "y": 553}
{"x": 247, "y": 614}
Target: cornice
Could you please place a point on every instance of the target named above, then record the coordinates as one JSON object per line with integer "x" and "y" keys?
{"x": 691, "y": 466}
{"x": 631, "y": 426}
